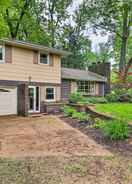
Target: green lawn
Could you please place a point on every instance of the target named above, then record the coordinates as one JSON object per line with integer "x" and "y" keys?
{"x": 120, "y": 110}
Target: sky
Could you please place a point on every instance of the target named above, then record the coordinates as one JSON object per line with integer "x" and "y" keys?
{"x": 96, "y": 39}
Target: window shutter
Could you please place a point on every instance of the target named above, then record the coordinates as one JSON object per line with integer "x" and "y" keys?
{"x": 51, "y": 59}
{"x": 8, "y": 54}
{"x": 35, "y": 57}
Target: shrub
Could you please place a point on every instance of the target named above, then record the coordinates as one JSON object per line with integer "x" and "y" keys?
{"x": 120, "y": 95}
{"x": 76, "y": 97}
{"x": 126, "y": 96}
{"x": 95, "y": 100}
{"x": 68, "y": 111}
{"x": 81, "y": 116}
{"x": 99, "y": 124}
{"x": 112, "y": 97}
{"x": 116, "y": 129}
{"x": 129, "y": 92}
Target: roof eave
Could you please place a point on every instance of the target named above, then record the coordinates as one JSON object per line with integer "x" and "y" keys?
{"x": 82, "y": 79}
{"x": 35, "y": 47}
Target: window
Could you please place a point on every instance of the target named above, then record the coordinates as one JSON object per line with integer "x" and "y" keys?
{"x": 50, "y": 94}
{"x": 87, "y": 87}
{"x": 44, "y": 58}
{"x": 1, "y": 54}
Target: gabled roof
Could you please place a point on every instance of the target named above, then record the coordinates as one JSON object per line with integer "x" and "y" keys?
{"x": 76, "y": 74}
{"x": 28, "y": 45}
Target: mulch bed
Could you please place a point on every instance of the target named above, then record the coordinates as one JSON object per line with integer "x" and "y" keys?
{"x": 123, "y": 147}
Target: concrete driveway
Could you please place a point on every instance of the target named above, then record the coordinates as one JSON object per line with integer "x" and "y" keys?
{"x": 44, "y": 136}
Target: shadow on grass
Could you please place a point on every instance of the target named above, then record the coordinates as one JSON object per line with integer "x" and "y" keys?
{"x": 123, "y": 147}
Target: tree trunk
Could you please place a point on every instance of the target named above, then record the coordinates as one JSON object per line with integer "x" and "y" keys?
{"x": 52, "y": 30}
{"x": 128, "y": 66}
{"x": 124, "y": 39}
{"x": 52, "y": 33}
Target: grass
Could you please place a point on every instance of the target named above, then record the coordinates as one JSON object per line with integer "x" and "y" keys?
{"x": 118, "y": 110}
{"x": 62, "y": 170}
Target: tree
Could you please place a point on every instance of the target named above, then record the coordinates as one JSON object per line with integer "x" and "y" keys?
{"x": 13, "y": 15}
{"x": 75, "y": 40}
{"x": 31, "y": 28}
{"x": 114, "y": 16}
{"x": 53, "y": 16}
{"x": 21, "y": 20}
{"x": 105, "y": 53}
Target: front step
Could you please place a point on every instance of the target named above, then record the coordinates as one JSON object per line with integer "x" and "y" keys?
{"x": 35, "y": 115}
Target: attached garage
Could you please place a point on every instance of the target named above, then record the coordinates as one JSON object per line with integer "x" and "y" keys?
{"x": 8, "y": 100}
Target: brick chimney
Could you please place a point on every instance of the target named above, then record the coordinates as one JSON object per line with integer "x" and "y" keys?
{"x": 104, "y": 69}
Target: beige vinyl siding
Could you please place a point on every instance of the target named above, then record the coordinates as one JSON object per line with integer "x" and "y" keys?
{"x": 73, "y": 86}
{"x": 22, "y": 68}
{"x": 43, "y": 93}
{"x": 58, "y": 93}
{"x": 97, "y": 89}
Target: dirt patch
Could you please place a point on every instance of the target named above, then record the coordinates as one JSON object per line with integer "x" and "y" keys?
{"x": 51, "y": 136}
{"x": 41, "y": 136}
{"x": 66, "y": 170}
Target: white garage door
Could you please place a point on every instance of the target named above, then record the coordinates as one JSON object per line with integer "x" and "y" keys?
{"x": 8, "y": 100}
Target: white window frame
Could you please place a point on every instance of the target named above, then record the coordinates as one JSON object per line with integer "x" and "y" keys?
{"x": 90, "y": 84}
{"x": 54, "y": 92}
{"x": 3, "y": 54}
{"x": 47, "y": 58}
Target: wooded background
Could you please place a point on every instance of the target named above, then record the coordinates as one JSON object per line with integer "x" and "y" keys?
{"x": 59, "y": 24}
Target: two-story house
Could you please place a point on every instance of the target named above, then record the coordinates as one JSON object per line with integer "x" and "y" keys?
{"x": 31, "y": 75}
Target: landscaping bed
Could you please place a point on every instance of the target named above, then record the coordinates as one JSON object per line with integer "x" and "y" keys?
{"x": 123, "y": 147}
{"x": 111, "y": 121}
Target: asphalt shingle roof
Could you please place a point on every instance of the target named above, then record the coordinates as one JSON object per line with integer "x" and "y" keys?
{"x": 76, "y": 74}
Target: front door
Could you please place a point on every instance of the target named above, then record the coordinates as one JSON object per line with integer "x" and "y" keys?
{"x": 34, "y": 99}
